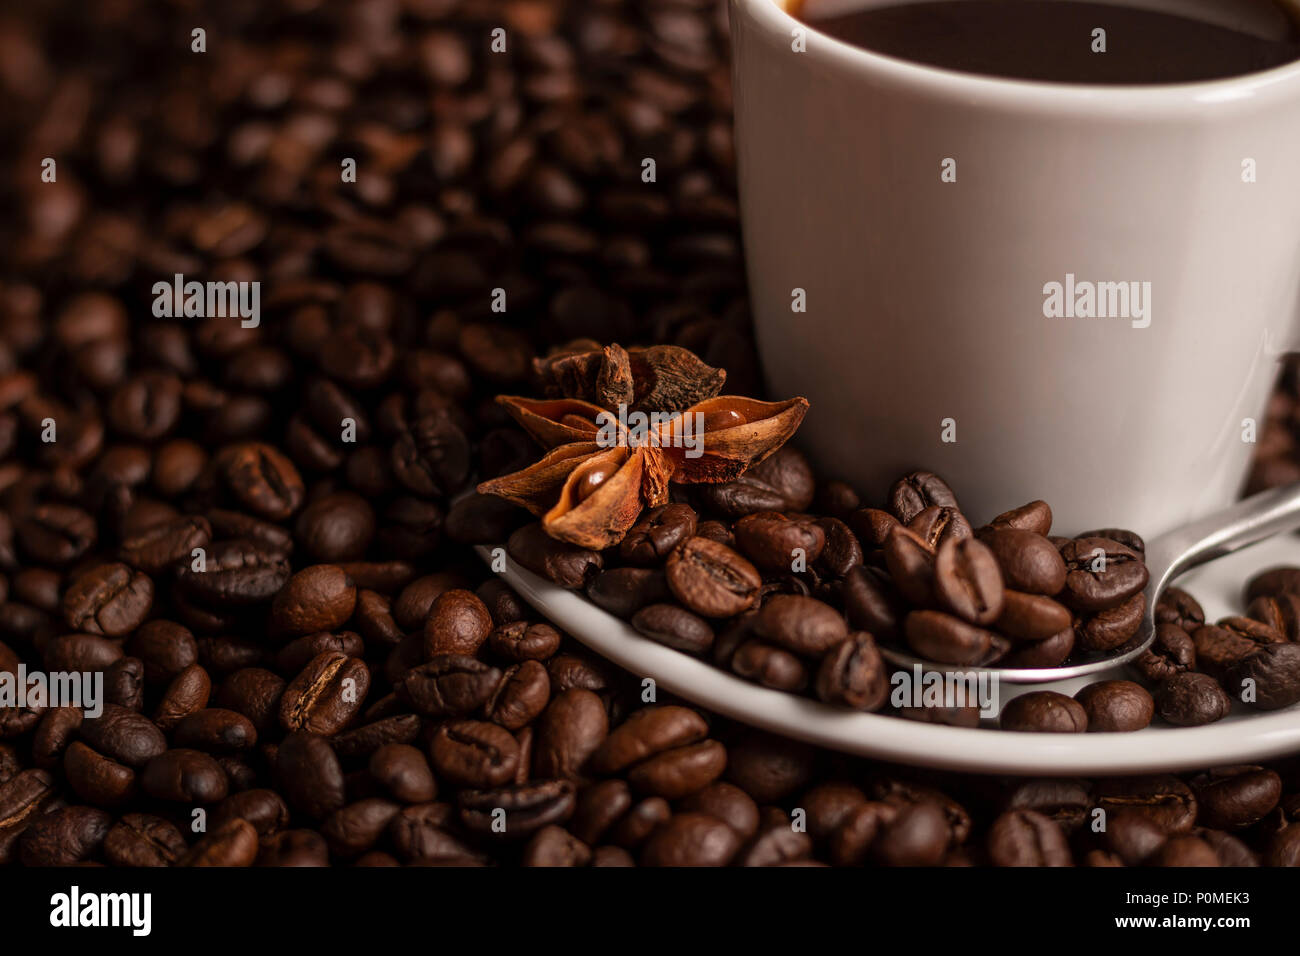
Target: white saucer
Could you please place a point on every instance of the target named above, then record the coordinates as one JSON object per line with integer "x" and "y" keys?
{"x": 1243, "y": 736}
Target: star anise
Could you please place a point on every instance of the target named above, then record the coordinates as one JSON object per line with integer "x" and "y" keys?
{"x": 603, "y": 468}
{"x": 662, "y": 378}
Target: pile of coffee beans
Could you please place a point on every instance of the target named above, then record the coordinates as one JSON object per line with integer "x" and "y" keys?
{"x": 251, "y": 529}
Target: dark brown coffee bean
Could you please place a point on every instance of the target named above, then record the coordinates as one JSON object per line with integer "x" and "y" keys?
{"x": 1035, "y": 516}
{"x": 1029, "y": 562}
{"x": 1112, "y": 628}
{"x": 1044, "y": 711}
{"x": 800, "y": 624}
{"x": 319, "y": 598}
{"x": 364, "y": 741}
{"x": 691, "y": 839}
{"x": 523, "y": 809}
{"x": 1268, "y": 678}
{"x": 673, "y": 774}
{"x": 674, "y": 626}
{"x": 336, "y": 527}
{"x": 871, "y": 603}
{"x": 326, "y": 696}
{"x": 524, "y": 641}
{"x": 657, "y": 534}
{"x": 142, "y": 839}
{"x": 1064, "y": 801}
{"x": 63, "y": 837}
{"x": 111, "y": 600}
{"x": 1176, "y": 606}
{"x": 768, "y": 768}
{"x": 449, "y": 685}
{"x": 564, "y": 564}
{"x": 158, "y": 547}
{"x": 852, "y": 674}
{"x": 127, "y": 737}
{"x": 1031, "y": 617}
{"x": 215, "y": 731}
{"x": 918, "y": 835}
{"x": 914, "y": 493}
{"x": 732, "y": 806}
{"x": 188, "y": 693}
{"x": 262, "y": 479}
{"x": 911, "y": 566}
{"x": 777, "y": 543}
{"x": 432, "y": 456}
{"x": 470, "y": 753}
{"x": 873, "y": 526}
{"x": 262, "y": 808}
{"x": 309, "y": 775}
{"x": 255, "y": 693}
{"x": 235, "y": 573}
{"x": 1116, "y": 706}
{"x": 521, "y": 695}
{"x": 711, "y": 579}
{"x": 1219, "y": 646}
{"x": 1190, "y": 699}
{"x": 569, "y": 731}
{"x": 353, "y": 829}
{"x": 56, "y": 534}
{"x": 184, "y": 776}
{"x": 458, "y": 623}
{"x": 1273, "y": 582}
{"x": 1132, "y": 834}
{"x": 1101, "y": 574}
{"x": 1163, "y": 799}
{"x": 941, "y": 637}
{"x": 769, "y": 665}
{"x": 57, "y": 728}
{"x": 1026, "y": 838}
{"x": 967, "y": 581}
{"x": 1231, "y": 798}
{"x": 97, "y": 779}
{"x": 1171, "y": 652}
{"x": 403, "y": 772}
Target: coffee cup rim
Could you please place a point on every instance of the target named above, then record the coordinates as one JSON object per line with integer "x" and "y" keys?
{"x": 1258, "y": 87}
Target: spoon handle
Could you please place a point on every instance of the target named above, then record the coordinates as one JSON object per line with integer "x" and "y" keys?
{"x": 1245, "y": 523}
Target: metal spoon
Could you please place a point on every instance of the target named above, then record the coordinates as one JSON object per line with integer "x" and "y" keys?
{"x": 1168, "y": 556}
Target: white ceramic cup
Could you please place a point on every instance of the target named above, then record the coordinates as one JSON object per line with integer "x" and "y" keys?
{"x": 925, "y": 300}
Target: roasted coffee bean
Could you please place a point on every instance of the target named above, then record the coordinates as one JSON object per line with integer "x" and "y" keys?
{"x": 1163, "y": 799}
{"x": 731, "y": 805}
{"x": 691, "y": 839}
{"x": 967, "y": 581}
{"x": 1066, "y": 802}
{"x": 235, "y": 573}
{"x": 941, "y": 637}
{"x": 1029, "y": 562}
{"x": 63, "y": 837}
{"x": 569, "y": 731}
{"x": 255, "y": 693}
{"x": 564, "y": 564}
{"x": 56, "y": 534}
{"x": 1044, "y": 711}
{"x": 674, "y": 626}
{"x": 355, "y": 828}
{"x": 782, "y": 482}
{"x": 624, "y": 591}
{"x": 403, "y": 772}
{"x": 1185, "y": 851}
{"x": 657, "y": 534}
{"x": 184, "y": 776}
{"x": 843, "y": 551}
{"x": 803, "y": 625}
{"x": 1176, "y": 606}
{"x": 917, "y": 835}
{"x": 319, "y": 598}
{"x": 1281, "y": 613}
{"x": 142, "y": 839}
{"x": 935, "y": 525}
{"x": 1102, "y": 574}
{"x": 520, "y": 696}
{"x": 774, "y": 541}
{"x": 1031, "y": 618}
{"x": 309, "y": 775}
{"x": 336, "y": 527}
{"x": 1134, "y": 837}
{"x": 1035, "y": 516}
{"x": 470, "y": 753}
{"x": 673, "y": 774}
{"x": 97, "y": 779}
{"x": 1171, "y": 652}
{"x": 1112, "y": 628}
{"x": 711, "y": 579}
{"x": 914, "y": 493}
{"x": 911, "y": 566}
{"x": 188, "y": 693}
{"x": 449, "y": 685}
{"x": 129, "y": 738}
{"x": 768, "y": 768}
{"x": 1219, "y": 646}
{"x": 1116, "y": 705}
{"x": 1190, "y": 699}
{"x": 262, "y": 479}
{"x": 526, "y": 808}
{"x": 57, "y": 728}
{"x": 262, "y": 808}
{"x": 1231, "y": 798}
{"x": 326, "y": 696}
{"x": 524, "y": 641}
{"x": 873, "y": 526}
{"x": 645, "y": 733}
{"x": 161, "y": 545}
{"x": 769, "y": 665}
{"x": 458, "y": 623}
{"x": 871, "y": 603}
{"x": 215, "y": 731}
{"x": 1284, "y": 847}
{"x": 1130, "y": 539}
{"x": 111, "y": 600}
{"x": 852, "y": 674}
{"x": 1267, "y": 678}
{"x": 365, "y": 740}
{"x": 1026, "y": 838}
{"x": 1273, "y": 582}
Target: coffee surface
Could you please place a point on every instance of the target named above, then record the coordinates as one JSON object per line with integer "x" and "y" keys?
{"x": 1054, "y": 40}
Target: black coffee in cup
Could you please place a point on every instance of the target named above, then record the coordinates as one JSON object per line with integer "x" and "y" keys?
{"x": 1074, "y": 42}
